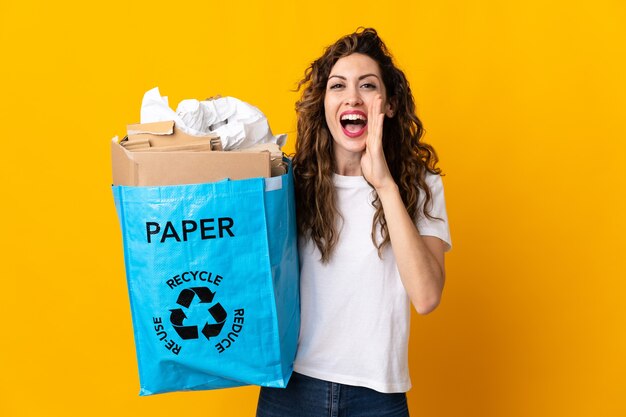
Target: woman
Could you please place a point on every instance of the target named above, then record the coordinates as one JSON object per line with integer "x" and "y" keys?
{"x": 373, "y": 232}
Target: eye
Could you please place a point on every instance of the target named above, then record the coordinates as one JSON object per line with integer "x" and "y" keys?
{"x": 368, "y": 86}
{"x": 334, "y": 86}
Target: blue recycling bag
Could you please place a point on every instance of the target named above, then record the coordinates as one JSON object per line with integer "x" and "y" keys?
{"x": 213, "y": 280}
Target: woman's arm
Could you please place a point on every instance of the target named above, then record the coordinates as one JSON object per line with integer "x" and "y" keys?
{"x": 420, "y": 259}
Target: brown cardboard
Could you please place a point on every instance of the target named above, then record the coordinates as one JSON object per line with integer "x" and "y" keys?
{"x": 169, "y": 168}
{"x": 160, "y": 154}
{"x": 279, "y": 167}
{"x": 156, "y": 128}
{"x": 144, "y": 136}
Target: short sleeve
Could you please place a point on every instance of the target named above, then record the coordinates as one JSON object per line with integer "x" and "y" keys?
{"x": 438, "y": 225}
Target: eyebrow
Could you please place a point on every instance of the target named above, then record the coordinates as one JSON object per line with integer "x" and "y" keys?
{"x": 360, "y": 78}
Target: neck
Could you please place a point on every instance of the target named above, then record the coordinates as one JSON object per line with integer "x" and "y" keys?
{"x": 348, "y": 165}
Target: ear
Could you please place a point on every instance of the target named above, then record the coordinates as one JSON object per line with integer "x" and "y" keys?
{"x": 390, "y": 107}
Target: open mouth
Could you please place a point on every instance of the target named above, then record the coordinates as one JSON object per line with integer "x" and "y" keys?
{"x": 353, "y": 124}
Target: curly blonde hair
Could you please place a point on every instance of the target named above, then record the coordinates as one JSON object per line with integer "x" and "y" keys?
{"x": 408, "y": 158}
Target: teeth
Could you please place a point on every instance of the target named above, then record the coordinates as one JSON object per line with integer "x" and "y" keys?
{"x": 353, "y": 117}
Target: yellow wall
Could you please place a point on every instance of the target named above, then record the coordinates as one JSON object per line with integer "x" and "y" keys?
{"x": 524, "y": 101}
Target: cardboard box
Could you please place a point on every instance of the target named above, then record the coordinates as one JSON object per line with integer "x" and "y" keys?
{"x": 163, "y": 136}
{"x": 160, "y": 163}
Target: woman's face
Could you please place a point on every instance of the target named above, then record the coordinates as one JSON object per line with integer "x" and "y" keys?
{"x": 353, "y": 83}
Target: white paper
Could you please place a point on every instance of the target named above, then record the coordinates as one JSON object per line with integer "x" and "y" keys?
{"x": 238, "y": 124}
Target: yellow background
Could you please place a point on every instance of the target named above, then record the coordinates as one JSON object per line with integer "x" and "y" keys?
{"x": 524, "y": 101}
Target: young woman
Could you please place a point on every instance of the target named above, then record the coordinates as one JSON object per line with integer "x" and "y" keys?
{"x": 373, "y": 232}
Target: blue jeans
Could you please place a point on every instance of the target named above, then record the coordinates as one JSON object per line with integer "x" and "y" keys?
{"x": 310, "y": 397}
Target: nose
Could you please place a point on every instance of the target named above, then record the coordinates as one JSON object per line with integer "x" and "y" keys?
{"x": 353, "y": 99}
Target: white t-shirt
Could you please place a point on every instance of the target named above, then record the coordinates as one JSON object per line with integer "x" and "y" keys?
{"x": 355, "y": 312}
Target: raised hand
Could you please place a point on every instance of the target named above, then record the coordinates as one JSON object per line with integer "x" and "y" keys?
{"x": 373, "y": 162}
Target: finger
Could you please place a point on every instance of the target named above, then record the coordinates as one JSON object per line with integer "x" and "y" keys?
{"x": 375, "y": 118}
{"x": 372, "y": 116}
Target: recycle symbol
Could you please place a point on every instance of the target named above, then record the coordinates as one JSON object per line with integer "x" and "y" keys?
{"x": 178, "y": 316}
